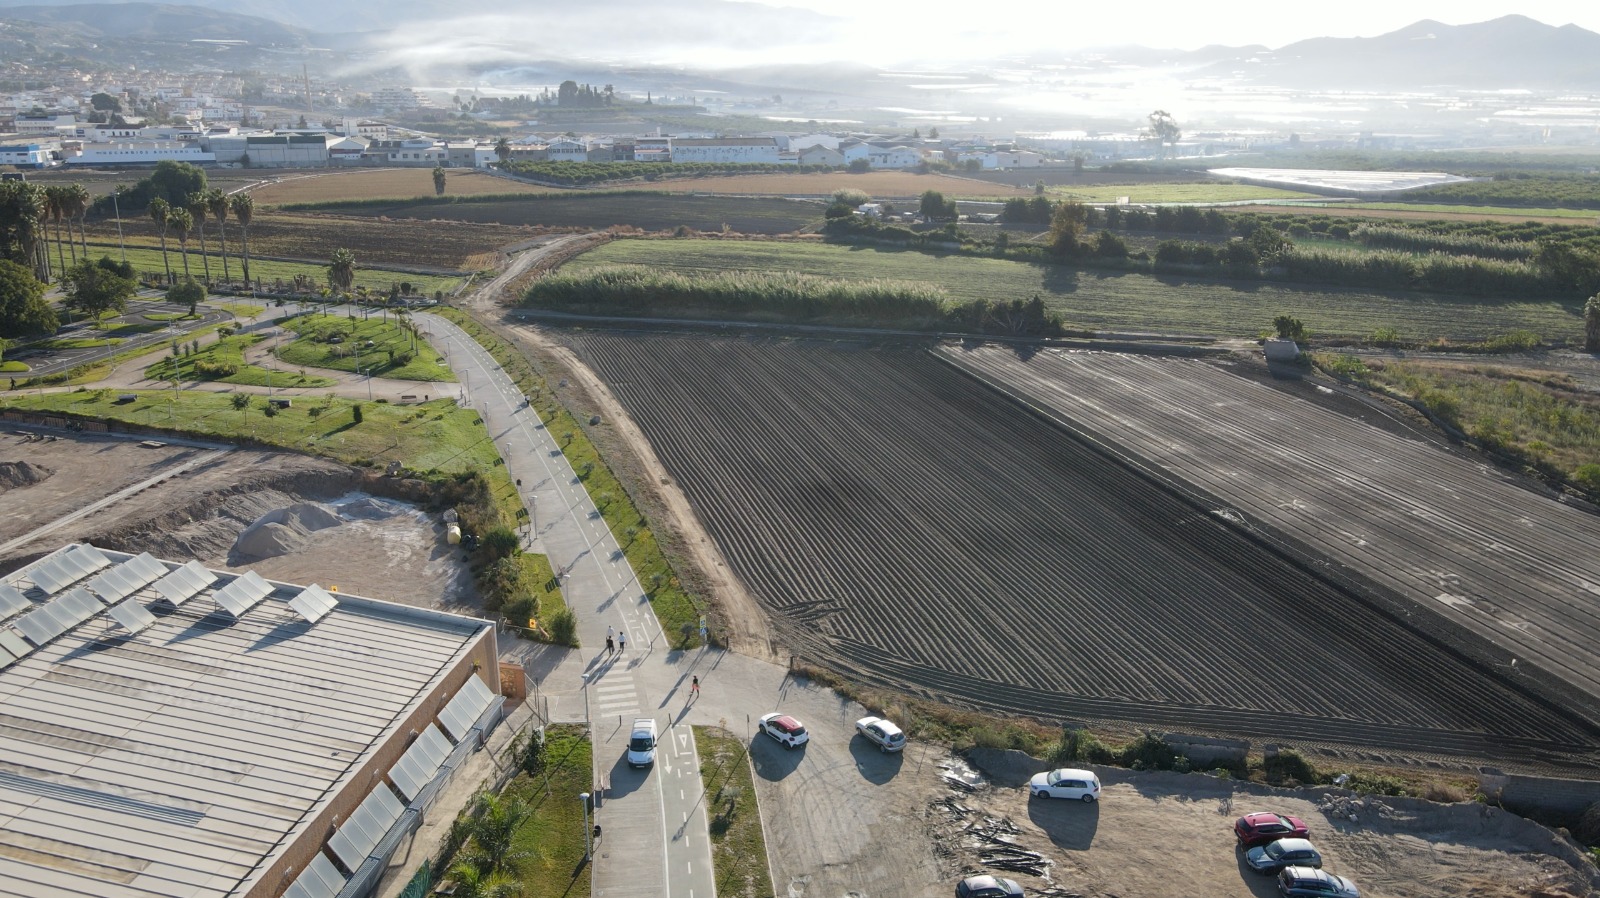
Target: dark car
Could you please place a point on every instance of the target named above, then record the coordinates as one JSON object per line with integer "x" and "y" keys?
{"x": 1262, "y": 827}
{"x": 1274, "y": 856}
{"x": 987, "y": 887}
{"x": 1306, "y": 882}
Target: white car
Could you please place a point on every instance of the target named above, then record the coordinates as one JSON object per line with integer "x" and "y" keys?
{"x": 881, "y": 733}
{"x": 1066, "y": 782}
{"x": 789, "y": 731}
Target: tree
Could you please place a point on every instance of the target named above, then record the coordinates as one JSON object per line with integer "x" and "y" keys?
{"x": 502, "y": 148}
{"x": 342, "y": 270}
{"x": 438, "y": 180}
{"x": 1591, "y": 324}
{"x": 933, "y": 133}
{"x": 1163, "y": 129}
{"x": 78, "y": 206}
{"x": 217, "y": 202}
{"x": 244, "y": 208}
{"x": 161, "y": 213}
{"x": 1066, "y": 227}
{"x": 860, "y": 165}
{"x": 182, "y": 222}
{"x": 23, "y": 310}
{"x": 1290, "y": 328}
{"x": 186, "y": 293}
{"x": 95, "y": 288}
{"x": 56, "y": 202}
{"x": 198, "y": 208}
{"x": 105, "y": 102}
{"x": 934, "y": 207}
{"x": 23, "y": 209}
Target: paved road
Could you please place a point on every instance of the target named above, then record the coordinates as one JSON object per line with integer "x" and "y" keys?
{"x": 57, "y": 361}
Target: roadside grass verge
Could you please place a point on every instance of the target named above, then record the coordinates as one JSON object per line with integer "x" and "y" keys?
{"x": 148, "y": 260}
{"x": 738, "y": 844}
{"x": 239, "y": 309}
{"x": 169, "y": 316}
{"x": 13, "y": 368}
{"x": 1214, "y": 192}
{"x": 1115, "y": 301}
{"x": 79, "y": 343}
{"x": 675, "y": 608}
{"x": 395, "y": 351}
{"x": 227, "y": 354}
{"x": 1549, "y": 423}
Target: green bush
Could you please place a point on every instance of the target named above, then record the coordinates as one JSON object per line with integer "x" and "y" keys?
{"x": 1148, "y": 752}
{"x": 214, "y": 370}
{"x": 564, "y": 628}
{"x": 1075, "y": 745}
{"x": 1290, "y": 768}
{"x": 500, "y": 543}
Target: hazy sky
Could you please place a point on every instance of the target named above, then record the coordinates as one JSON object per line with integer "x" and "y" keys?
{"x": 1181, "y": 24}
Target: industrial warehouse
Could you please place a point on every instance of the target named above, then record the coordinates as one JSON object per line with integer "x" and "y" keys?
{"x": 169, "y": 730}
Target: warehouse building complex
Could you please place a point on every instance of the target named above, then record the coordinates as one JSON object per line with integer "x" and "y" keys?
{"x": 168, "y": 730}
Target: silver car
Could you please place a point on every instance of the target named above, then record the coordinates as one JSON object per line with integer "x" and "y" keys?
{"x": 881, "y": 733}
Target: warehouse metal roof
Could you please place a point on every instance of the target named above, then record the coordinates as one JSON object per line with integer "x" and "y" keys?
{"x": 179, "y": 756}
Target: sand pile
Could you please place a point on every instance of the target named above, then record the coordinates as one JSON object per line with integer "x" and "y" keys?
{"x": 282, "y": 531}
{"x": 21, "y": 473}
{"x": 370, "y": 509}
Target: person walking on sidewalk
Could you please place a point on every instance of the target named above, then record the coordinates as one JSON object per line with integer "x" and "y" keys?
{"x": 694, "y": 687}
{"x": 611, "y": 635}
{"x": 622, "y": 643}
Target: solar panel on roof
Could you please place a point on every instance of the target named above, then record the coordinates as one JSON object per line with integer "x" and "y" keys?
{"x": 127, "y": 578}
{"x": 420, "y": 762}
{"x": 243, "y": 593}
{"x": 464, "y": 710}
{"x": 11, "y": 642}
{"x": 145, "y": 566}
{"x": 320, "y": 879}
{"x": 367, "y": 825}
{"x": 53, "y": 575}
{"x": 184, "y": 583}
{"x": 12, "y": 601}
{"x": 132, "y": 616}
{"x": 42, "y": 625}
{"x": 313, "y": 603}
{"x": 78, "y": 605}
{"x": 90, "y": 558}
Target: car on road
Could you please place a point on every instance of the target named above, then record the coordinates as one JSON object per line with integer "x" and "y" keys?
{"x": 1274, "y": 856}
{"x": 1308, "y": 882}
{"x": 642, "y": 742}
{"x": 988, "y": 887}
{"x": 1080, "y": 785}
{"x": 1261, "y": 827}
{"x": 881, "y": 733}
{"x": 789, "y": 731}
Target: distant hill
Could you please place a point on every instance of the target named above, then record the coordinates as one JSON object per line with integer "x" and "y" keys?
{"x": 1508, "y": 52}
{"x": 157, "y": 22}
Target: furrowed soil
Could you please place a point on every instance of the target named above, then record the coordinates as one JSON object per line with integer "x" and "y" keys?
{"x": 905, "y": 523}
{"x": 384, "y": 182}
{"x": 599, "y": 210}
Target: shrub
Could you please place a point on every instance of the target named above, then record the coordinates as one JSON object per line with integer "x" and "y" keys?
{"x": 240, "y": 401}
{"x": 1148, "y": 752}
{"x": 355, "y": 413}
{"x": 1075, "y": 745}
{"x": 500, "y": 542}
{"x": 564, "y": 628}
{"x": 1289, "y": 767}
{"x": 212, "y": 370}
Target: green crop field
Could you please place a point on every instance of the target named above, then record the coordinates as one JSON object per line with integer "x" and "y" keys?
{"x": 1108, "y": 300}
{"x": 1519, "y": 212}
{"x": 1218, "y": 192}
{"x": 149, "y": 260}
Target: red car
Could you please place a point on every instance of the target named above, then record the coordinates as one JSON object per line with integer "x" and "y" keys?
{"x": 1263, "y": 827}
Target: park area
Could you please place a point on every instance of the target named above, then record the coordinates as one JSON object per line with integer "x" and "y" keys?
{"x": 900, "y": 521}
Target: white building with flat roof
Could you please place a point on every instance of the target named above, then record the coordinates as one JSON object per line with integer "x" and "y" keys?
{"x": 725, "y": 149}
{"x": 145, "y": 152}
{"x": 171, "y": 731}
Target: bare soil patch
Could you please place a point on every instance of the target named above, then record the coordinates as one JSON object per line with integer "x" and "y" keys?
{"x": 388, "y": 182}
{"x": 881, "y": 185}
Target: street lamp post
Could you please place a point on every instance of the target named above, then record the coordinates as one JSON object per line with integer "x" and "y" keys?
{"x": 585, "y": 697}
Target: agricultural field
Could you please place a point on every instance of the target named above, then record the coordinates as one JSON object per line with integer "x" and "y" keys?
{"x": 1404, "y": 514}
{"x": 269, "y": 271}
{"x": 366, "y": 184}
{"x": 598, "y": 209}
{"x": 423, "y": 246}
{"x": 1213, "y": 192}
{"x": 1430, "y": 212}
{"x": 878, "y": 184}
{"x": 902, "y": 522}
{"x": 1114, "y": 301}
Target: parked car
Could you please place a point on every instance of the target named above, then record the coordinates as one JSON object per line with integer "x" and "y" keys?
{"x": 787, "y": 730}
{"x": 1262, "y": 827}
{"x": 1067, "y": 782}
{"x": 988, "y": 887}
{"x": 1274, "y": 856}
{"x": 1307, "y": 882}
{"x": 881, "y": 733}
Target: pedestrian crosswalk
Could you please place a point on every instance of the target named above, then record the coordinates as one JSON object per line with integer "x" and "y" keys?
{"x": 614, "y": 693}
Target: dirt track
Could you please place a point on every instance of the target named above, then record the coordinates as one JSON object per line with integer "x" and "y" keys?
{"x": 905, "y": 523}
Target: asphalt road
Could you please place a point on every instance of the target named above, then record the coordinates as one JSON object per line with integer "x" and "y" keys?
{"x": 43, "y": 363}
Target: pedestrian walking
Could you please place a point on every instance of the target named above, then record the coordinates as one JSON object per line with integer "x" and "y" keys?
{"x": 611, "y": 646}
{"x": 622, "y": 643}
{"x": 694, "y": 686}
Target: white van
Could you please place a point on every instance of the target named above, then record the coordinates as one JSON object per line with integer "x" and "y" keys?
{"x": 642, "y": 743}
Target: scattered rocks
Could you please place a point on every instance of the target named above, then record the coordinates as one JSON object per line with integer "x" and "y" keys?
{"x": 1353, "y": 808}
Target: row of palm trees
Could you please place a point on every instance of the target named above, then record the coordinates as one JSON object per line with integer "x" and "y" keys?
{"x": 192, "y": 214}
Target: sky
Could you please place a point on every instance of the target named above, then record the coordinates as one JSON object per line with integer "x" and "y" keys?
{"x": 1178, "y": 24}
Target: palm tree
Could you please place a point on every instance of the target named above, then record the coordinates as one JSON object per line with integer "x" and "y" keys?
{"x": 197, "y": 208}
{"x": 80, "y": 210}
{"x": 182, "y": 221}
{"x": 244, "y": 208}
{"x": 502, "y": 148}
{"x": 55, "y": 204}
{"x": 160, "y": 212}
{"x": 217, "y": 202}
{"x": 342, "y": 271}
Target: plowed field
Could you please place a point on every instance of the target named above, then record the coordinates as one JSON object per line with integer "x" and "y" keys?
{"x": 1461, "y": 540}
{"x": 907, "y": 524}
